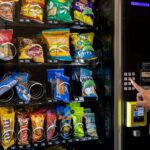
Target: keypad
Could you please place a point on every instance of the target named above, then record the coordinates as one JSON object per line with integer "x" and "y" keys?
{"x": 127, "y": 84}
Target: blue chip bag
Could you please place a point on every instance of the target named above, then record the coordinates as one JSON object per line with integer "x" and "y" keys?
{"x": 88, "y": 84}
{"x": 21, "y": 87}
{"x": 61, "y": 92}
{"x": 51, "y": 73}
{"x": 7, "y": 83}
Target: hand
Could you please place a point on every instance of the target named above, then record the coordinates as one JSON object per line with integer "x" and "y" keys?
{"x": 143, "y": 97}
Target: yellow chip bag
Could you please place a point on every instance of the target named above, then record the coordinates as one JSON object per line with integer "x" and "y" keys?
{"x": 57, "y": 41}
{"x": 7, "y": 127}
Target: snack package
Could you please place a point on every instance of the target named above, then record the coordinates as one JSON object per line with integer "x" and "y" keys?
{"x": 83, "y": 11}
{"x": 59, "y": 84}
{"x": 23, "y": 124}
{"x": 7, "y": 127}
{"x": 77, "y": 117}
{"x": 51, "y": 74}
{"x": 82, "y": 45}
{"x": 57, "y": 41}
{"x": 59, "y": 10}
{"x": 6, "y": 84}
{"x": 37, "y": 120}
{"x": 90, "y": 124}
{"x": 88, "y": 85}
{"x": 33, "y": 10}
{"x": 7, "y": 49}
{"x": 7, "y": 9}
{"x": 64, "y": 115}
{"x": 61, "y": 91}
{"x": 21, "y": 87}
{"x": 30, "y": 48}
{"x": 51, "y": 119}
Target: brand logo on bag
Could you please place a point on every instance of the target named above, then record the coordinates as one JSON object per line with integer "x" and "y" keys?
{"x": 81, "y": 6}
{"x": 7, "y": 133}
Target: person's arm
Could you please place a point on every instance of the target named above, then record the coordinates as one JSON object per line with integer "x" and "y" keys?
{"x": 143, "y": 97}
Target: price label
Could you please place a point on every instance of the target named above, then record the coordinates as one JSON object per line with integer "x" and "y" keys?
{"x": 89, "y": 138}
{"x": 28, "y": 146}
{"x": 50, "y": 143}
{"x": 42, "y": 144}
{"x": 36, "y": 145}
{"x": 81, "y": 99}
{"x": 70, "y": 141}
{"x": 20, "y": 146}
{"x": 76, "y": 140}
{"x": 57, "y": 142}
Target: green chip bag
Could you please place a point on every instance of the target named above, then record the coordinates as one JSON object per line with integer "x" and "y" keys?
{"x": 77, "y": 116}
{"x": 59, "y": 10}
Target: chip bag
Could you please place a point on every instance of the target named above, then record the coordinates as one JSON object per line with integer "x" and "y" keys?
{"x": 83, "y": 11}
{"x": 33, "y": 10}
{"x": 59, "y": 10}
{"x": 7, "y": 9}
{"x": 7, "y": 127}
{"x": 88, "y": 84}
{"x": 30, "y": 48}
{"x": 7, "y": 49}
{"x": 57, "y": 41}
{"x": 77, "y": 117}
{"x": 37, "y": 120}
{"x": 61, "y": 91}
{"x": 82, "y": 44}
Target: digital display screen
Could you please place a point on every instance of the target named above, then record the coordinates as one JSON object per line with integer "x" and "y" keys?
{"x": 140, "y": 4}
{"x": 138, "y": 114}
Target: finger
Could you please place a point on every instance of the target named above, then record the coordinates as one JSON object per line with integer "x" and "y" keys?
{"x": 141, "y": 103}
{"x": 139, "y": 97}
{"x": 137, "y": 87}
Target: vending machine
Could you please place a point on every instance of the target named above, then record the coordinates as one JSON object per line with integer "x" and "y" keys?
{"x": 135, "y": 64}
{"x": 56, "y": 74}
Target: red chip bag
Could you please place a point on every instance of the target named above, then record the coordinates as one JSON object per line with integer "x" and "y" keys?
{"x": 51, "y": 120}
{"x": 6, "y": 35}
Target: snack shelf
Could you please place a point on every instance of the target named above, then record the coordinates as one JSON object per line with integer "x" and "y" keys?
{"x": 49, "y": 101}
{"x": 54, "y": 24}
{"x": 49, "y": 64}
{"x": 57, "y": 142}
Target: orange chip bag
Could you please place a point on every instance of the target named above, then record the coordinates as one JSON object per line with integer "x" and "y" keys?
{"x": 7, "y": 127}
{"x": 37, "y": 120}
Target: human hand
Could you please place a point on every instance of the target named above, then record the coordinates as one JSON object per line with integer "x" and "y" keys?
{"x": 143, "y": 97}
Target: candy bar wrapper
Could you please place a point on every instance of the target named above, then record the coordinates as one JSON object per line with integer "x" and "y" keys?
{"x": 23, "y": 123}
{"x": 90, "y": 124}
{"x": 21, "y": 87}
{"x": 37, "y": 121}
{"x": 51, "y": 119}
{"x": 6, "y": 84}
{"x": 88, "y": 84}
{"x": 83, "y": 11}
{"x": 7, "y": 129}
